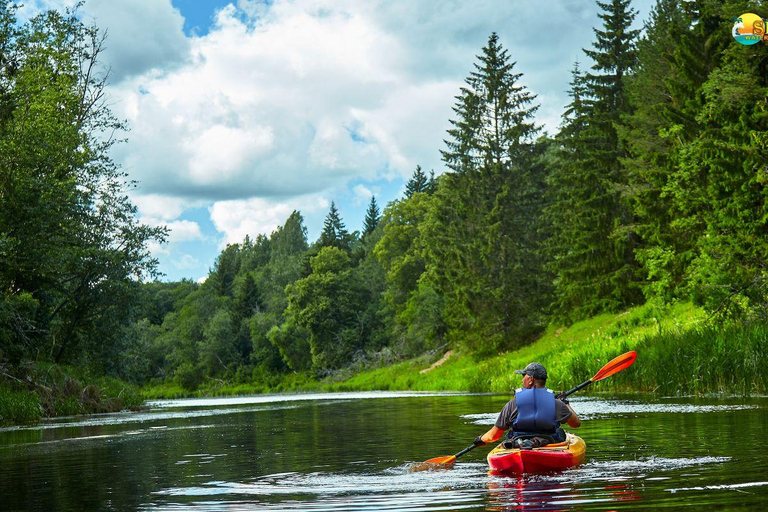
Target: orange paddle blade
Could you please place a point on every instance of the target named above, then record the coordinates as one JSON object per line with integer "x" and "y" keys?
{"x": 615, "y": 365}
{"x": 436, "y": 463}
{"x": 442, "y": 460}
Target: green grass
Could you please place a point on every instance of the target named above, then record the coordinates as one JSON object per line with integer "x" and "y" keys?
{"x": 571, "y": 354}
{"x": 678, "y": 353}
{"x": 45, "y": 389}
{"x": 17, "y": 407}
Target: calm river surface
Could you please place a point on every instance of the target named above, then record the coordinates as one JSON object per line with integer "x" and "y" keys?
{"x": 354, "y": 452}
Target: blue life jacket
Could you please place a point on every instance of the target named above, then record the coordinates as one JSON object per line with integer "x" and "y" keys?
{"x": 535, "y": 411}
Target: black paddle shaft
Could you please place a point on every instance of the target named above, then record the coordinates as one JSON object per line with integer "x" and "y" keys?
{"x": 577, "y": 388}
{"x": 465, "y": 450}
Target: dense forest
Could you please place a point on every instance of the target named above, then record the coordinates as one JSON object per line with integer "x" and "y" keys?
{"x": 653, "y": 189}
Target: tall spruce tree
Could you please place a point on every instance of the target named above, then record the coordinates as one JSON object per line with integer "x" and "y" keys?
{"x": 418, "y": 183}
{"x": 480, "y": 236}
{"x": 334, "y": 232}
{"x": 682, "y": 44}
{"x": 663, "y": 116}
{"x": 593, "y": 241}
{"x": 372, "y": 217}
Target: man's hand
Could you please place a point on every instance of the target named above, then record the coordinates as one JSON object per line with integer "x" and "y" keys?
{"x": 561, "y": 397}
{"x": 479, "y": 441}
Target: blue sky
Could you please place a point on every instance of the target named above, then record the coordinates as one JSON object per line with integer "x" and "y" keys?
{"x": 242, "y": 111}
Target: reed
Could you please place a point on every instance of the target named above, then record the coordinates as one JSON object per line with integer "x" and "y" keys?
{"x": 18, "y": 407}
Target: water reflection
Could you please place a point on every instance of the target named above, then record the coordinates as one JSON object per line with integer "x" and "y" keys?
{"x": 528, "y": 494}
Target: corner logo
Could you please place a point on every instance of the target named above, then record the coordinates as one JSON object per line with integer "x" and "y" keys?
{"x": 749, "y": 29}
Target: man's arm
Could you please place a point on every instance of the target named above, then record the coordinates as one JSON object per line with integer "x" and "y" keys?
{"x": 492, "y": 435}
{"x": 506, "y": 416}
{"x": 574, "y": 420}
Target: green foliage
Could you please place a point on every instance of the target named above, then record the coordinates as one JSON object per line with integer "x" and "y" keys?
{"x": 415, "y": 306}
{"x": 481, "y": 237}
{"x": 372, "y": 217}
{"x": 72, "y": 248}
{"x": 17, "y": 407}
{"x": 325, "y": 305}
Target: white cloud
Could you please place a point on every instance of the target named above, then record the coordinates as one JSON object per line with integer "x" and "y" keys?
{"x": 141, "y": 35}
{"x": 186, "y": 262}
{"x": 219, "y": 152}
{"x": 160, "y": 208}
{"x": 156, "y": 249}
{"x": 301, "y": 100}
{"x": 362, "y": 195}
{"x": 237, "y": 218}
{"x": 184, "y": 231}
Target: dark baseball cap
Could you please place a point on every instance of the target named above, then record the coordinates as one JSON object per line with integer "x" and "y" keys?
{"x": 535, "y": 370}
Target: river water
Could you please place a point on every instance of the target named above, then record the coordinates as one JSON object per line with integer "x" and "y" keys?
{"x": 355, "y": 451}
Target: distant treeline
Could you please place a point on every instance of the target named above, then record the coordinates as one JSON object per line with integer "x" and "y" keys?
{"x": 653, "y": 189}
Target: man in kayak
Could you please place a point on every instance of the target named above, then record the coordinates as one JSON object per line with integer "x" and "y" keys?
{"x": 533, "y": 417}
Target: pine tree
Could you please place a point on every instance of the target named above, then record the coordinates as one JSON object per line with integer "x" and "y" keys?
{"x": 334, "y": 232}
{"x": 372, "y": 217}
{"x": 593, "y": 242}
{"x": 417, "y": 183}
{"x": 432, "y": 183}
{"x": 681, "y": 46}
{"x": 480, "y": 237}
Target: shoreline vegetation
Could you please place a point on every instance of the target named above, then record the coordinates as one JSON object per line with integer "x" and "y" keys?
{"x": 679, "y": 353}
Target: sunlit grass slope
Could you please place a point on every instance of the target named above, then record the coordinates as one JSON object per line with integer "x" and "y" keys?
{"x": 679, "y": 352}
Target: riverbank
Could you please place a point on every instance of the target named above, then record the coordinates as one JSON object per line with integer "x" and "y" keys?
{"x": 679, "y": 353}
{"x": 35, "y": 391}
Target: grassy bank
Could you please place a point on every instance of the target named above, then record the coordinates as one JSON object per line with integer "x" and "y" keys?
{"x": 44, "y": 390}
{"x": 678, "y": 353}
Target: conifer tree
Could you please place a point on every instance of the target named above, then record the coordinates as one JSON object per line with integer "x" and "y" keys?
{"x": 681, "y": 46}
{"x": 334, "y": 232}
{"x": 480, "y": 237}
{"x": 372, "y": 217}
{"x": 417, "y": 183}
{"x": 592, "y": 244}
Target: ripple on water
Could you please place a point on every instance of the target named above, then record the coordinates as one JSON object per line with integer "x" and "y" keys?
{"x": 467, "y": 485}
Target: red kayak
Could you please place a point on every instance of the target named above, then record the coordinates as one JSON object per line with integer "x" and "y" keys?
{"x": 552, "y": 457}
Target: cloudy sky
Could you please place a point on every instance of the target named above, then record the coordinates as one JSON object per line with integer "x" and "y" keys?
{"x": 241, "y": 111}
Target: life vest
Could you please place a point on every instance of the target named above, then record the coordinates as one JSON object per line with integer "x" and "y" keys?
{"x": 535, "y": 411}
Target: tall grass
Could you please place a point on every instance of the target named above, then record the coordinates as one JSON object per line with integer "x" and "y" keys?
{"x": 678, "y": 353}
{"x": 707, "y": 359}
{"x": 43, "y": 389}
{"x": 18, "y": 406}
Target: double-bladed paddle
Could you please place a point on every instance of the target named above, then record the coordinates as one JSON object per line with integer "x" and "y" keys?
{"x": 614, "y": 366}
